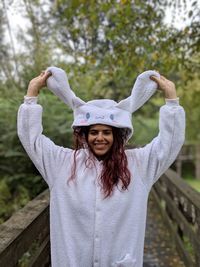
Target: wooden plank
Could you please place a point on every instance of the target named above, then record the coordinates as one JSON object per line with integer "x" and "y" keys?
{"x": 21, "y": 243}
{"x": 182, "y": 252}
{"x": 198, "y": 248}
{"x": 18, "y": 233}
{"x": 197, "y": 161}
{"x": 185, "y": 157}
{"x": 192, "y": 195}
{"x": 42, "y": 257}
{"x": 187, "y": 198}
{"x": 179, "y": 218}
{"x": 185, "y": 204}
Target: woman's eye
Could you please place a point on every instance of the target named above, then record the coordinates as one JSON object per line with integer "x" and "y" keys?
{"x": 107, "y": 132}
{"x": 93, "y": 132}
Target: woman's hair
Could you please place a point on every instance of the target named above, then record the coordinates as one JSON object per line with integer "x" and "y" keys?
{"x": 115, "y": 164}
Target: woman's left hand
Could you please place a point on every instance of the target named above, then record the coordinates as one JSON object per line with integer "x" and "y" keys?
{"x": 165, "y": 85}
{"x": 37, "y": 83}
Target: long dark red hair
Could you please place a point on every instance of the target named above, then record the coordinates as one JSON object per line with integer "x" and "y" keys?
{"x": 115, "y": 165}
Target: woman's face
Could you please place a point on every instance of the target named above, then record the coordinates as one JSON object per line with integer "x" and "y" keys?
{"x": 100, "y": 139}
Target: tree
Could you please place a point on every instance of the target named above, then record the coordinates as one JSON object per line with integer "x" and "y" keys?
{"x": 6, "y": 65}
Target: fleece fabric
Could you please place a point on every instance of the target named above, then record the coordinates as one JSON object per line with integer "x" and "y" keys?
{"x": 86, "y": 229}
{"x": 103, "y": 111}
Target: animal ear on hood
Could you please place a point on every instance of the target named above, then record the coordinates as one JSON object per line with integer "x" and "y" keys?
{"x": 58, "y": 84}
{"x": 142, "y": 90}
{"x": 103, "y": 111}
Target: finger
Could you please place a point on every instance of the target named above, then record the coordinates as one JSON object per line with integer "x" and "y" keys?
{"x": 163, "y": 78}
{"x": 155, "y": 79}
{"x": 42, "y": 73}
{"x": 47, "y": 74}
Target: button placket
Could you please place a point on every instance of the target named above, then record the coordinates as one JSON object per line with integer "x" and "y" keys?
{"x": 97, "y": 229}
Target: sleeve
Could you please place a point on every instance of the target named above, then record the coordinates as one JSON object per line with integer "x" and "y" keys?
{"x": 46, "y": 156}
{"x": 156, "y": 157}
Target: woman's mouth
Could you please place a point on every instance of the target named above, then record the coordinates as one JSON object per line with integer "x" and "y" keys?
{"x": 100, "y": 145}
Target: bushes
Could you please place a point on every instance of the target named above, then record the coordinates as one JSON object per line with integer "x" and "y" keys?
{"x": 19, "y": 179}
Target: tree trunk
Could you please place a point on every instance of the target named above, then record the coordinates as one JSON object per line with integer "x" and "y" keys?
{"x": 11, "y": 40}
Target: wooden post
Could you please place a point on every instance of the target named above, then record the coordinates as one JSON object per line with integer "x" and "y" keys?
{"x": 179, "y": 166}
{"x": 27, "y": 225}
{"x": 197, "y": 161}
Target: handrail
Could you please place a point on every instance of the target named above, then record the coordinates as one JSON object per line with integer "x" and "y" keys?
{"x": 180, "y": 207}
{"x": 26, "y": 226}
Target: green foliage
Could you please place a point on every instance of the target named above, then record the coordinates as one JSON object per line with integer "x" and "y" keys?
{"x": 10, "y": 200}
{"x": 194, "y": 183}
{"x": 5, "y": 196}
{"x": 190, "y": 98}
{"x": 118, "y": 38}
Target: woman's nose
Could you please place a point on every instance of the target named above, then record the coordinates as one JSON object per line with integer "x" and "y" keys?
{"x": 100, "y": 136}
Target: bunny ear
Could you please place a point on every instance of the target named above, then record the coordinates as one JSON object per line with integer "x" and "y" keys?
{"x": 59, "y": 85}
{"x": 142, "y": 90}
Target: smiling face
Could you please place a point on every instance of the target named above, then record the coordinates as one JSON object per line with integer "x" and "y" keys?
{"x": 100, "y": 139}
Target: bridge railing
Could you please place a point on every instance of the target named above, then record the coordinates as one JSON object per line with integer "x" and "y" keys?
{"x": 24, "y": 238}
{"x": 180, "y": 208}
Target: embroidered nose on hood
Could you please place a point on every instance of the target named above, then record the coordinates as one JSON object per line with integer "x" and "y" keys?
{"x": 103, "y": 111}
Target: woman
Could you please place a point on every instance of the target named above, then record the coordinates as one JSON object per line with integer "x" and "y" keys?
{"x": 99, "y": 191}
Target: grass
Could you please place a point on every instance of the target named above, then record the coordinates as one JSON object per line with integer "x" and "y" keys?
{"x": 194, "y": 183}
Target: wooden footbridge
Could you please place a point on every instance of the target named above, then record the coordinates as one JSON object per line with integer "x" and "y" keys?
{"x": 172, "y": 235}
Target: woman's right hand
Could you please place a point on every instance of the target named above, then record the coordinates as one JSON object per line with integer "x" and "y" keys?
{"x": 37, "y": 83}
{"x": 165, "y": 85}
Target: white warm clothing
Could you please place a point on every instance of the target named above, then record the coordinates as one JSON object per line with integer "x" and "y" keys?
{"x": 86, "y": 229}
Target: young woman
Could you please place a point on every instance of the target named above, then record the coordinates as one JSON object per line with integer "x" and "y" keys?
{"x": 99, "y": 190}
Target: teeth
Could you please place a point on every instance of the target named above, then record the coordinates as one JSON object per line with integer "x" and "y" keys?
{"x": 99, "y": 144}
